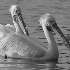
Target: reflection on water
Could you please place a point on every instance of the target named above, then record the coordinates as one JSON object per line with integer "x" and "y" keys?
{"x": 32, "y": 10}
{"x": 12, "y": 64}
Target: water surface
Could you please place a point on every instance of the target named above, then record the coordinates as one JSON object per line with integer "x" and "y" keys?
{"x": 32, "y": 10}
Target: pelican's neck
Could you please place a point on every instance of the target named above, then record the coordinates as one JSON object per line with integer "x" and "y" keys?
{"x": 17, "y": 26}
{"x": 52, "y": 50}
{"x": 50, "y": 38}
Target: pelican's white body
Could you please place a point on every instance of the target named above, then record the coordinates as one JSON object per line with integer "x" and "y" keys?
{"x": 22, "y": 46}
{"x": 6, "y": 29}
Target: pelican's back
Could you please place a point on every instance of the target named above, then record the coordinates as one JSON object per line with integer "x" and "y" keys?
{"x": 18, "y": 46}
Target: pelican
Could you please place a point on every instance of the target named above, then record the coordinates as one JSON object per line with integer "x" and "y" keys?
{"x": 21, "y": 45}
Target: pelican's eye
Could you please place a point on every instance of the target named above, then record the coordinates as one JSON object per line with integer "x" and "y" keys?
{"x": 15, "y": 18}
{"x": 49, "y": 28}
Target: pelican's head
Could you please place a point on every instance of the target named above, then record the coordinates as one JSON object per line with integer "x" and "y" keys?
{"x": 50, "y": 21}
{"x": 14, "y": 9}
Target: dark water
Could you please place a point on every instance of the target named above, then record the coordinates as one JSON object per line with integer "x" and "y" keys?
{"x": 32, "y": 10}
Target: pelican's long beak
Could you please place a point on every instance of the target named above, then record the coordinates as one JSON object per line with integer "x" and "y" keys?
{"x": 22, "y": 25}
{"x": 66, "y": 42}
